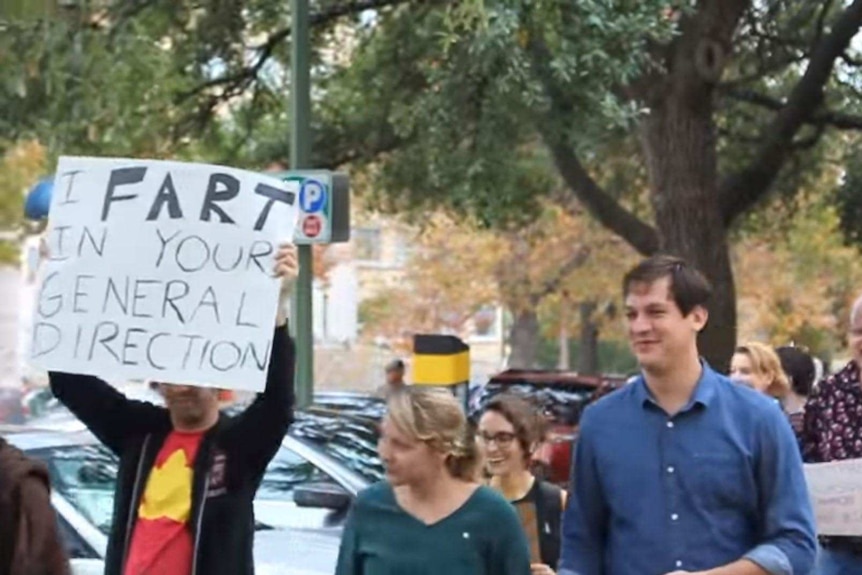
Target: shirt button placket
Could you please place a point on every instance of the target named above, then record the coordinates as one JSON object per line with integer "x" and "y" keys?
{"x": 673, "y": 494}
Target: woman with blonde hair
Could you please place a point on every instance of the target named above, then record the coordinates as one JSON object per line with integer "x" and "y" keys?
{"x": 757, "y": 365}
{"x": 430, "y": 516}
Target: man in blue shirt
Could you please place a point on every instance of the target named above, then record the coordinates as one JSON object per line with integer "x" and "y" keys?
{"x": 681, "y": 471}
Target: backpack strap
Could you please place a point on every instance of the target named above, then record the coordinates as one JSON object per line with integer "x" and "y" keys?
{"x": 549, "y": 511}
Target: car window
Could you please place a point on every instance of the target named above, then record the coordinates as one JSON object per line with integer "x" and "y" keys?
{"x": 349, "y": 438}
{"x": 85, "y": 475}
{"x": 285, "y": 472}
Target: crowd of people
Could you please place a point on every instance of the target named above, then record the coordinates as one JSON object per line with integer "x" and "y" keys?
{"x": 681, "y": 470}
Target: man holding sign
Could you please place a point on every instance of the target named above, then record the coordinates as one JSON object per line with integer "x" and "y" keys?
{"x": 156, "y": 272}
{"x": 832, "y": 432}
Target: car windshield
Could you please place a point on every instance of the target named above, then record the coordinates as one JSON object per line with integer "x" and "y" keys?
{"x": 85, "y": 475}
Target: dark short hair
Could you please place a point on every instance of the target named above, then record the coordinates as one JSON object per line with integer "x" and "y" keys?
{"x": 688, "y": 287}
{"x": 395, "y": 365}
{"x": 799, "y": 367}
{"x": 525, "y": 417}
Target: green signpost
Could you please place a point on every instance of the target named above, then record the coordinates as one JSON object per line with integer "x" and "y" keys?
{"x": 323, "y": 200}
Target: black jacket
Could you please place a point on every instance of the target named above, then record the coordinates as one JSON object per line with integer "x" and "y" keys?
{"x": 227, "y": 471}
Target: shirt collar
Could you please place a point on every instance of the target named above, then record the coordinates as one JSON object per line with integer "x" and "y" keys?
{"x": 704, "y": 392}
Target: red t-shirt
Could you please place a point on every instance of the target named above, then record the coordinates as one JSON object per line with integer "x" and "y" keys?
{"x": 161, "y": 541}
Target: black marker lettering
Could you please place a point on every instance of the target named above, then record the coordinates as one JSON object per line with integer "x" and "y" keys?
{"x": 78, "y": 295}
{"x": 150, "y": 359}
{"x": 208, "y": 299}
{"x": 239, "y": 320}
{"x": 105, "y": 339}
{"x": 169, "y": 298}
{"x": 259, "y": 360}
{"x": 221, "y": 188}
{"x": 253, "y": 254}
{"x": 167, "y": 194}
{"x": 123, "y": 303}
{"x": 164, "y": 245}
{"x": 78, "y": 334}
{"x": 127, "y": 345}
{"x": 205, "y": 255}
{"x": 139, "y": 296}
{"x": 121, "y": 177}
{"x": 56, "y": 299}
{"x": 59, "y": 255}
{"x": 274, "y": 195}
{"x": 230, "y": 267}
{"x": 68, "y": 197}
{"x": 38, "y": 339}
{"x": 100, "y": 248}
{"x": 229, "y": 365}
{"x": 192, "y": 339}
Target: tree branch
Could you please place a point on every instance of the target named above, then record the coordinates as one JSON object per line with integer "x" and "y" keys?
{"x": 739, "y": 191}
{"x": 824, "y": 118}
{"x": 240, "y": 79}
{"x": 608, "y": 211}
{"x": 576, "y": 260}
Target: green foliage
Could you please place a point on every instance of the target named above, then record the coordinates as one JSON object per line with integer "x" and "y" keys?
{"x": 614, "y": 356}
{"x": 460, "y": 93}
{"x": 848, "y": 198}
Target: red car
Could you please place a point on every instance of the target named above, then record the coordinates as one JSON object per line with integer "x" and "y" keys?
{"x": 562, "y": 396}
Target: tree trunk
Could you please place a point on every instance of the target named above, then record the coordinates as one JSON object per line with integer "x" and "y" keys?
{"x": 524, "y": 338}
{"x": 678, "y": 137}
{"x": 588, "y": 356}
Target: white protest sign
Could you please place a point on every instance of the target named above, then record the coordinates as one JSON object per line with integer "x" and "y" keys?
{"x": 161, "y": 270}
{"x": 836, "y": 494}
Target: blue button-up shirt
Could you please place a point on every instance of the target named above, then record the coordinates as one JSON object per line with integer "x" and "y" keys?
{"x": 719, "y": 481}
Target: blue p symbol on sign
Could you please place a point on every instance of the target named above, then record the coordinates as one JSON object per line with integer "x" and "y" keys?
{"x": 312, "y": 196}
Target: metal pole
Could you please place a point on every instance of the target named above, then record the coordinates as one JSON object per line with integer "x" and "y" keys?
{"x": 300, "y": 122}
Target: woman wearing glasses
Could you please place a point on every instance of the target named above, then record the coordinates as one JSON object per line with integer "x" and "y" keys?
{"x": 430, "y": 516}
{"x": 509, "y": 431}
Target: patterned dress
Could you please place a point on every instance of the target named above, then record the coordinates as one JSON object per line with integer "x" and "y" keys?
{"x": 832, "y": 431}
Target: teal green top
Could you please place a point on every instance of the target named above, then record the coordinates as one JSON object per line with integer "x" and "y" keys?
{"x": 482, "y": 537}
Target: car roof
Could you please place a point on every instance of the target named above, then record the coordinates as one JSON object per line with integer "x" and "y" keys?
{"x": 27, "y": 438}
{"x": 553, "y": 377}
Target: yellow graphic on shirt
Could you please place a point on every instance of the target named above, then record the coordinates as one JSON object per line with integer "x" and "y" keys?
{"x": 169, "y": 490}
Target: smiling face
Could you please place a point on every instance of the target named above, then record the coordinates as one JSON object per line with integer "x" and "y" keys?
{"x": 743, "y": 370}
{"x": 659, "y": 334}
{"x": 502, "y": 451}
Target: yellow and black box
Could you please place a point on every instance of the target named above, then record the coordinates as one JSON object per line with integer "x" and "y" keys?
{"x": 442, "y": 360}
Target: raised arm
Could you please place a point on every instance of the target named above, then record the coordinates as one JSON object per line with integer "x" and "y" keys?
{"x": 262, "y": 426}
{"x": 109, "y": 414}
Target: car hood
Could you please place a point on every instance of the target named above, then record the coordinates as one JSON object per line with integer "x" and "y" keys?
{"x": 296, "y": 552}
{"x": 276, "y": 552}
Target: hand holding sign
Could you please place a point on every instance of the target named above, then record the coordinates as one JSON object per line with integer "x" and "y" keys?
{"x": 287, "y": 268}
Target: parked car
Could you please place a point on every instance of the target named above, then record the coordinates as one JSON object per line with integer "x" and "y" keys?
{"x": 300, "y": 507}
{"x": 562, "y": 397}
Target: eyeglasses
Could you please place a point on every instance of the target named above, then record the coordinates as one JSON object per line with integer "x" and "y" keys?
{"x": 502, "y": 439}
